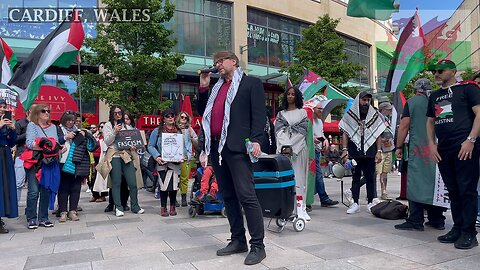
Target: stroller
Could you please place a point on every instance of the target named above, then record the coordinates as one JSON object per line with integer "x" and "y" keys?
{"x": 207, "y": 205}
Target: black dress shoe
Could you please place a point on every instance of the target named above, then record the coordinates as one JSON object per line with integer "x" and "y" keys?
{"x": 451, "y": 237}
{"x": 255, "y": 256}
{"x": 466, "y": 241}
{"x": 329, "y": 203}
{"x": 407, "y": 226}
{"x": 109, "y": 208}
{"x": 232, "y": 248}
{"x": 439, "y": 226}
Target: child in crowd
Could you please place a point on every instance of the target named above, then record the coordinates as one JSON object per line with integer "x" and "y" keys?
{"x": 208, "y": 185}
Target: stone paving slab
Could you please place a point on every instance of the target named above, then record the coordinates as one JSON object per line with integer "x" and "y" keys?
{"x": 64, "y": 258}
{"x": 114, "y": 221}
{"x": 67, "y": 238}
{"x": 189, "y": 255}
{"x": 338, "y": 250}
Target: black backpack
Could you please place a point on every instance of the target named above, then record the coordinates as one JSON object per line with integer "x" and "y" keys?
{"x": 390, "y": 210}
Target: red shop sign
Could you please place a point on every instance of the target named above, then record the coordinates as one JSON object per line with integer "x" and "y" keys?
{"x": 56, "y": 98}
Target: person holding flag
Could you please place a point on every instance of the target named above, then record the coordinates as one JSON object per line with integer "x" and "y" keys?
{"x": 421, "y": 167}
{"x": 454, "y": 120}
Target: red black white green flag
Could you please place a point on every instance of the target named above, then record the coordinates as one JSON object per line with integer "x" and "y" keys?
{"x": 8, "y": 61}
{"x": 60, "y": 48}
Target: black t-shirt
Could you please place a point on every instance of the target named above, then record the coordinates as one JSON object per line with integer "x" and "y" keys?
{"x": 452, "y": 110}
{"x": 406, "y": 111}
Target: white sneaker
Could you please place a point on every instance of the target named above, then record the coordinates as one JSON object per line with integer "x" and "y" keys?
{"x": 330, "y": 176}
{"x": 141, "y": 211}
{"x": 119, "y": 213}
{"x": 354, "y": 208}
{"x": 348, "y": 196}
{"x": 88, "y": 190}
{"x": 399, "y": 174}
{"x": 369, "y": 206}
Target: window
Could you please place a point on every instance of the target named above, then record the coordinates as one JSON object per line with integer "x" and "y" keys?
{"x": 271, "y": 39}
{"x": 383, "y": 66}
{"x": 359, "y": 53}
{"x": 201, "y": 27}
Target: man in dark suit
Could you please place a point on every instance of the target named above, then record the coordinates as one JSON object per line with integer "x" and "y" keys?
{"x": 233, "y": 112}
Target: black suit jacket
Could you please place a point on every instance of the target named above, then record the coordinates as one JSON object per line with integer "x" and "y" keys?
{"x": 247, "y": 114}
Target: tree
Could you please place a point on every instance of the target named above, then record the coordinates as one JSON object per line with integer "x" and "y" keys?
{"x": 321, "y": 50}
{"x": 136, "y": 57}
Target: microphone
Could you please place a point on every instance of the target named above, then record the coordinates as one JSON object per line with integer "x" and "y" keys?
{"x": 212, "y": 70}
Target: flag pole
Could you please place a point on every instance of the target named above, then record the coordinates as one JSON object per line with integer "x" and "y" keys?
{"x": 79, "y": 88}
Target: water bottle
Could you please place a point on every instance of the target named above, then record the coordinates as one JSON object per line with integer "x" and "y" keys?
{"x": 249, "y": 146}
{"x": 349, "y": 164}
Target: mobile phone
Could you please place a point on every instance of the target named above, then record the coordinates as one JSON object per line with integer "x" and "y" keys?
{"x": 120, "y": 122}
{"x": 7, "y": 115}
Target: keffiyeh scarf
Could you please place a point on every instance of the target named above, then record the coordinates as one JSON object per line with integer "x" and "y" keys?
{"x": 370, "y": 128}
{"x": 207, "y": 115}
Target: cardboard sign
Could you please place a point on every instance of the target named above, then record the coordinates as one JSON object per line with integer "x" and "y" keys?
{"x": 172, "y": 147}
{"x": 128, "y": 138}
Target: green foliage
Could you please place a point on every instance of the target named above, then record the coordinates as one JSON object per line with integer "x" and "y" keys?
{"x": 135, "y": 58}
{"x": 467, "y": 74}
{"x": 409, "y": 91}
{"x": 322, "y": 51}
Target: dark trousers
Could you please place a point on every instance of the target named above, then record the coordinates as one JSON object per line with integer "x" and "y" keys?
{"x": 235, "y": 183}
{"x": 35, "y": 190}
{"x": 461, "y": 179}
{"x": 434, "y": 214}
{"x": 168, "y": 194}
{"x": 367, "y": 167}
{"x": 124, "y": 193}
{"x": 68, "y": 192}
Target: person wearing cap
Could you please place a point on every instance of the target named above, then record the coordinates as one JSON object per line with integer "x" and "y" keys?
{"x": 387, "y": 147}
{"x": 320, "y": 142}
{"x": 234, "y": 111}
{"x": 362, "y": 127}
{"x": 8, "y": 188}
{"x": 453, "y": 125}
{"x": 421, "y": 167}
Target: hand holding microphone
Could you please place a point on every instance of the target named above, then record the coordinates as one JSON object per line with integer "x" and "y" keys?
{"x": 205, "y": 75}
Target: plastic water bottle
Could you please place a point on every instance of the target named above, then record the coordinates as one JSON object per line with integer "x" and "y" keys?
{"x": 249, "y": 146}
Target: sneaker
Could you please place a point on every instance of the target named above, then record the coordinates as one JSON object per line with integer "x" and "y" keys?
{"x": 211, "y": 197}
{"x": 330, "y": 176}
{"x": 399, "y": 174}
{"x": 141, "y": 211}
{"x": 369, "y": 206}
{"x": 347, "y": 194}
{"x": 119, "y": 213}
{"x": 32, "y": 224}
{"x": 354, "y": 208}
{"x": 407, "y": 226}
{"x": 126, "y": 208}
{"x": 47, "y": 224}
{"x": 451, "y": 237}
{"x": 109, "y": 208}
{"x": 72, "y": 215}
{"x": 63, "y": 217}
{"x": 157, "y": 195}
{"x": 384, "y": 196}
{"x": 329, "y": 203}
{"x": 466, "y": 241}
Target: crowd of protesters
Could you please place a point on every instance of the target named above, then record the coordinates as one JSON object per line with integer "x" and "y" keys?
{"x": 54, "y": 160}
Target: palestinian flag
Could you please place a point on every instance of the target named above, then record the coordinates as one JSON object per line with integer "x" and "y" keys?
{"x": 332, "y": 92}
{"x": 60, "y": 48}
{"x": 373, "y": 9}
{"x": 311, "y": 84}
{"x": 409, "y": 56}
{"x": 8, "y": 59}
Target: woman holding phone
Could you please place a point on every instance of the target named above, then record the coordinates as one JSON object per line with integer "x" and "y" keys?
{"x": 120, "y": 162}
{"x": 8, "y": 193}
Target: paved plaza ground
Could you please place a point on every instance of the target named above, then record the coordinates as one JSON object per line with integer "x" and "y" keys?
{"x": 332, "y": 240}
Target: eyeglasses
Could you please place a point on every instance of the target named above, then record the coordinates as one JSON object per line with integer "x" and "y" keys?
{"x": 169, "y": 116}
{"x": 438, "y": 71}
{"x": 183, "y": 117}
{"x": 101, "y": 126}
{"x": 45, "y": 111}
{"x": 117, "y": 113}
{"x": 220, "y": 61}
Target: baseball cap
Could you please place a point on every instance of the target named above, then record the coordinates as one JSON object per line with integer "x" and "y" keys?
{"x": 422, "y": 84}
{"x": 364, "y": 94}
{"x": 445, "y": 65}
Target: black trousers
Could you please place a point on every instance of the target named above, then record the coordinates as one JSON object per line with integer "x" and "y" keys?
{"x": 367, "y": 167}
{"x": 434, "y": 214}
{"x": 69, "y": 192}
{"x": 461, "y": 179}
{"x": 124, "y": 193}
{"x": 172, "y": 195}
{"x": 235, "y": 183}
